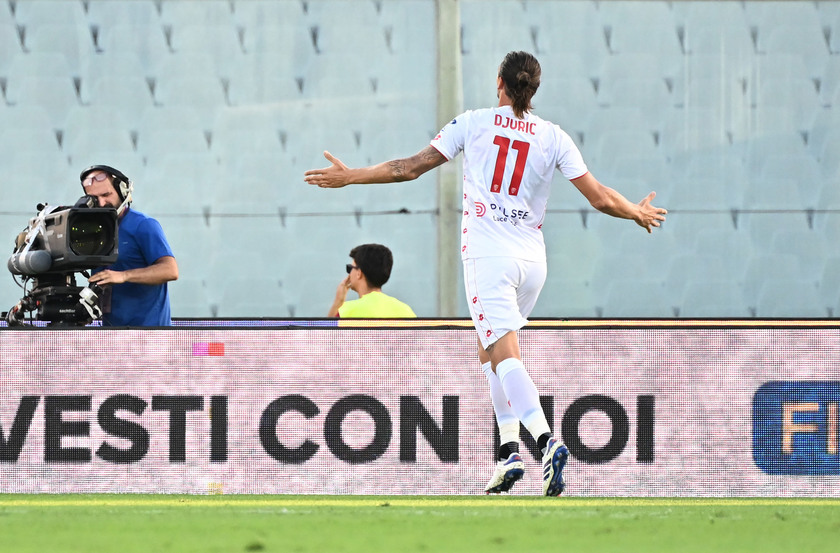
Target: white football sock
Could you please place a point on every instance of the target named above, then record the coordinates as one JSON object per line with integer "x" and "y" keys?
{"x": 523, "y": 396}
{"x": 507, "y": 421}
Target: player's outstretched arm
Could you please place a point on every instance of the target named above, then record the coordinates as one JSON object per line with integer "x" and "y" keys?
{"x": 397, "y": 170}
{"x": 609, "y": 201}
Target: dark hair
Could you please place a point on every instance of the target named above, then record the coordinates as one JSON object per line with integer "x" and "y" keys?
{"x": 520, "y": 73}
{"x": 375, "y": 262}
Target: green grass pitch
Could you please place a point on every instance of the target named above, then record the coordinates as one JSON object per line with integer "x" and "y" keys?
{"x": 177, "y": 523}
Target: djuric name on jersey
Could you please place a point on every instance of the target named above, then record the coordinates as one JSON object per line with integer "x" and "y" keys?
{"x": 514, "y": 124}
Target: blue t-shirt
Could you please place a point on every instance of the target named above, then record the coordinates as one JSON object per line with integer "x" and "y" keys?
{"x": 141, "y": 243}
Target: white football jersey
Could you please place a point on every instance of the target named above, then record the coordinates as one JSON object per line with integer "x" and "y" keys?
{"x": 509, "y": 164}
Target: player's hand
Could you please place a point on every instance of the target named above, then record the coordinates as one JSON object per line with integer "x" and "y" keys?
{"x": 334, "y": 176}
{"x": 108, "y": 277}
{"x": 649, "y": 215}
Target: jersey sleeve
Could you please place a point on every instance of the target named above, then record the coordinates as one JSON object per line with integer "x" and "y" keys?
{"x": 152, "y": 241}
{"x": 569, "y": 159}
{"x": 450, "y": 140}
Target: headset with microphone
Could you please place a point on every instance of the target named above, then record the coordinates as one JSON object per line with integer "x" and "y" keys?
{"x": 122, "y": 184}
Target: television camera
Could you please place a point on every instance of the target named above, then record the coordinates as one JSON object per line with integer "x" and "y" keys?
{"x": 59, "y": 242}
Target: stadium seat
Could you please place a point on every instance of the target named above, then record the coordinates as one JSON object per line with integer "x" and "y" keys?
{"x": 700, "y": 14}
{"x": 6, "y": 17}
{"x": 401, "y": 84}
{"x": 129, "y": 95}
{"x": 42, "y": 174}
{"x": 221, "y": 42}
{"x": 721, "y": 163}
{"x": 689, "y": 130}
{"x": 252, "y": 297}
{"x": 615, "y": 119}
{"x": 635, "y": 298}
{"x": 75, "y": 42}
{"x": 572, "y": 250}
{"x": 786, "y": 13}
{"x": 648, "y": 36}
{"x": 806, "y": 174}
{"x": 790, "y": 298}
{"x": 251, "y": 87}
{"x": 110, "y": 64}
{"x": 733, "y": 246}
{"x": 262, "y": 198}
{"x": 203, "y": 94}
{"x": 86, "y": 145}
{"x": 10, "y": 45}
{"x": 726, "y": 47}
{"x": 177, "y": 183}
{"x": 122, "y": 12}
{"x": 146, "y": 41}
{"x": 714, "y": 92}
{"x": 651, "y": 95}
{"x": 829, "y": 289}
{"x": 829, "y": 163}
{"x": 261, "y": 13}
{"x": 42, "y": 12}
{"x": 806, "y": 41}
{"x": 206, "y": 12}
{"x": 763, "y": 268}
{"x": 810, "y": 248}
{"x": 55, "y": 94}
{"x": 763, "y": 224}
{"x": 341, "y": 13}
{"x": 406, "y": 34}
{"x": 325, "y": 79}
{"x": 798, "y": 95}
{"x": 719, "y": 298}
{"x": 367, "y": 41}
{"x": 39, "y": 65}
{"x": 566, "y": 298}
{"x": 91, "y": 131}
{"x": 564, "y": 27}
{"x": 616, "y": 266}
{"x": 702, "y": 194}
{"x": 639, "y": 65}
{"x": 282, "y": 48}
{"x": 231, "y": 144}
{"x": 306, "y": 149}
{"x": 188, "y": 297}
{"x": 830, "y": 84}
{"x": 154, "y": 144}
{"x": 158, "y": 118}
{"x": 680, "y": 268}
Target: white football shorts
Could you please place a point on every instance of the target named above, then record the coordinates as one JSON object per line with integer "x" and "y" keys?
{"x": 501, "y": 293}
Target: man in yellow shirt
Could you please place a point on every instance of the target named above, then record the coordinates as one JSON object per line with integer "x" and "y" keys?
{"x": 370, "y": 270}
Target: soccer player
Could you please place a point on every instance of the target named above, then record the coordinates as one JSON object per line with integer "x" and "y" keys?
{"x": 510, "y": 156}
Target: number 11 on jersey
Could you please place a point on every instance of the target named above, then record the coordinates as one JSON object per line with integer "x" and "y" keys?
{"x": 501, "y": 160}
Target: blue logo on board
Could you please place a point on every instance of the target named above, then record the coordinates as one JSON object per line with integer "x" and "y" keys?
{"x": 795, "y": 427}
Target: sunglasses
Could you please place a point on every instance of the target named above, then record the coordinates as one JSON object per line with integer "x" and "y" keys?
{"x": 350, "y": 267}
{"x": 98, "y": 177}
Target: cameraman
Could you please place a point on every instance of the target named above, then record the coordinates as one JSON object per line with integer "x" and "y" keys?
{"x": 135, "y": 286}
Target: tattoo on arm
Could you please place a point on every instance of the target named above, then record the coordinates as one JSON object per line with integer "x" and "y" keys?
{"x": 397, "y": 169}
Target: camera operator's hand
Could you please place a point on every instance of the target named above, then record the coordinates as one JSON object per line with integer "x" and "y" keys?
{"x": 162, "y": 270}
{"x": 108, "y": 277}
